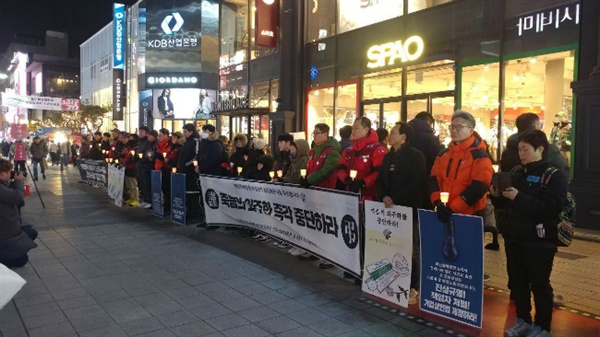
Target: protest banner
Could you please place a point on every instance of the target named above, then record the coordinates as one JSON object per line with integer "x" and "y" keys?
{"x": 116, "y": 180}
{"x": 93, "y": 172}
{"x": 452, "y": 267}
{"x": 157, "y": 197}
{"x": 388, "y": 252}
{"x": 323, "y": 222}
{"x": 178, "y": 198}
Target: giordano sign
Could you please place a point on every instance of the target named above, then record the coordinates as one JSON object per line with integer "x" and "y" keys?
{"x": 386, "y": 54}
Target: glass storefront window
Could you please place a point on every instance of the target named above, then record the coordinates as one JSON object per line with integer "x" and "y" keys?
{"x": 430, "y": 77}
{"x": 319, "y": 106}
{"x": 321, "y": 20}
{"x": 381, "y": 85}
{"x": 414, "y": 106}
{"x": 225, "y": 127}
{"x": 62, "y": 83}
{"x": 259, "y": 95}
{"x": 391, "y": 115}
{"x": 417, "y": 5}
{"x": 345, "y": 107}
{"x": 371, "y": 111}
{"x": 234, "y": 32}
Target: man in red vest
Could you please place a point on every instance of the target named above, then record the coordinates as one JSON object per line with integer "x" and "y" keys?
{"x": 20, "y": 153}
{"x": 322, "y": 159}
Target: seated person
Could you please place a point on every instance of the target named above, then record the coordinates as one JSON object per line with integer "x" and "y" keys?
{"x": 15, "y": 241}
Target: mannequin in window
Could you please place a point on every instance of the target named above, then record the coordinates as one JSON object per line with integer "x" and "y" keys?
{"x": 165, "y": 106}
{"x": 561, "y": 134}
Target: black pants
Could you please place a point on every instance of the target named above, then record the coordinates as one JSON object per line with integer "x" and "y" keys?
{"x": 20, "y": 166}
{"x": 529, "y": 267}
{"x": 166, "y": 189}
{"x": 415, "y": 274}
{"x": 22, "y": 260}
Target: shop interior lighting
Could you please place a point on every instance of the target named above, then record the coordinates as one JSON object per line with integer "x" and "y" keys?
{"x": 533, "y": 60}
{"x": 486, "y": 67}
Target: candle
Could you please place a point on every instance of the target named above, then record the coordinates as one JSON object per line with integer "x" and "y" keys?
{"x": 174, "y": 170}
{"x": 165, "y": 154}
{"x": 353, "y": 174}
{"x": 116, "y": 161}
{"x": 280, "y": 173}
{"x": 110, "y": 160}
{"x": 106, "y": 160}
{"x": 303, "y": 173}
{"x": 495, "y": 167}
{"x": 239, "y": 170}
{"x": 113, "y": 148}
{"x": 140, "y": 155}
{"x": 195, "y": 162}
{"x": 132, "y": 152}
{"x": 272, "y": 174}
{"x": 444, "y": 197}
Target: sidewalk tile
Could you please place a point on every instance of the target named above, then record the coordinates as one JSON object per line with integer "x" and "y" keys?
{"x": 54, "y": 330}
{"x": 312, "y": 300}
{"x": 294, "y": 291}
{"x": 258, "y": 314}
{"x": 211, "y": 287}
{"x": 287, "y": 306}
{"x": 210, "y": 311}
{"x": 91, "y": 322}
{"x": 246, "y": 331}
{"x": 251, "y": 289}
{"x": 120, "y": 305}
{"x": 33, "y": 300}
{"x": 44, "y": 320}
{"x": 111, "y": 296}
{"x": 269, "y": 297}
{"x": 308, "y": 316}
{"x": 331, "y": 327}
{"x": 359, "y": 319}
{"x": 17, "y": 332}
{"x": 164, "y": 308}
{"x": 177, "y": 318}
{"x": 111, "y": 330}
{"x": 239, "y": 281}
{"x": 226, "y": 322}
{"x": 300, "y": 332}
{"x": 335, "y": 309}
{"x": 240, "y": 304}
{"x": 159, "y": 333}
{"x": 87, "y": 311}
{"x": 196, "y": 301}
{"x": 225, "y": 295}
{"x": 387, "y": 329}
{"x": 140, "y": 326}
{"x": 39, "y": 309}
{"x": 192, "y": 329}
{"x": 69, "y": 294}
{"x": 129, "y": 314}
{"x": 76, "y": 302}
{"x": 186, "y": 291}
{"x": 278, "y": 324}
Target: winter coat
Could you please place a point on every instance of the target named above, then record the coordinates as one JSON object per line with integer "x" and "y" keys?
{"x": 129, "y": 159}
{"x": 510, "y": 156}
{"x": 534, "y": 204}
{"x": 95, "y": 152}
{"x": 262, "y": 174}
{"x": 402, "y": 177}
{"x": 299, "y": 162}
{"x": 345, "y": 143}
{"x": 19, "y": 150}
{"x": 210, "y": 156}
{"x": 39, "y": 150}
{"x": 465, "y": 171}
{"x": 172, "y": 155}
{"x": 425, "y": 141}
{"x": 148, "y": 156}
{"x": 13, "y": 241}
{"x": 250, "y": 164}
{"x": 365, "y": 156}
{"x": 185, "y": 163}
{"x": 322, "y": 174}
{"x": 284, "y": 162}
{"x": 161, "y": 147}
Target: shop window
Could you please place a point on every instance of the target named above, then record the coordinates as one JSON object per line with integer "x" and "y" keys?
{"x": 319, "y": 107}
{"x": 234, "y": 32}
{"x": 260, "y": 127}
{"x": 259, "y": 95}
{"x": 430, "y": 77}
{"x": 345, "y": 107}
{"x": 62, "y": 84}
{"x": 321, "y": 20}
{"x": 274, "y": 94}
{"x": 417, "y": 5}
{"x": 391, "y": 115}
{"x": 381, "y": 85}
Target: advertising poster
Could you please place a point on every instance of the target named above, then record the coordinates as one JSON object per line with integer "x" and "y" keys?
{"x": 452, "y": 267}
{"x": 145, "y": 115}
{"x": 40, "y": 102}
{"x": 116, "y": 181}
{"x": 175, "y": 103}
{"x": 157, "y": 195}
{"x": 353, "y": 14}
{"x": 93, "y": 172}
{"x": 388, "y": 252}
{"x": 325, "y": 223}
{"x": 178, "y": 198}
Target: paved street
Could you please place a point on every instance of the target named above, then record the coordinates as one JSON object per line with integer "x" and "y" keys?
{"x": 101, "y": 270}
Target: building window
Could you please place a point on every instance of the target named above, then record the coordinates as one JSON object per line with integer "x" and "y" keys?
{"x": 319, "y": 107}
{"x": 345, "y": 106}
{"x": 257, "y": 51}
{"x": 354, "y": 14}
{"x": 62, "y": 84}
{"x": 234, "y": 32}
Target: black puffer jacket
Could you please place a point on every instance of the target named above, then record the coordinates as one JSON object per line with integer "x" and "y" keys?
{"x": 510, "y": 156}
{"x": 210, "y": 155}
{"x": 534, "y": 204}
{"x": 425, "y": 141}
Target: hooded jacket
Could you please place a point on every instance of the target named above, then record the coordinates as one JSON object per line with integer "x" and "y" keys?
{"x": 365, "y": 156}
{"x": 210, "y": 155}
{"x": 465, "y": 171}
{"x": 237, "y": 157}
{"x": 425, "y": 141}
{"x": 510, "y": 156}
{"x": 299, "y": 162}
{"x": 320, "y": 170}
{"x": 262, "y": 174}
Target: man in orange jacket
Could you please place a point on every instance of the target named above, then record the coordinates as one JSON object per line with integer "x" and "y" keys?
{"x": 464, "y": 170}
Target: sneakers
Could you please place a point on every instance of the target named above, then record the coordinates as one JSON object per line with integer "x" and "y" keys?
{"x": 147, "y": 205}
{"x": 44, "y": 176}
{"x": 296, "y": 251}
{"x": 258, "y": 237}
{"x": 413, "y": 296}
{"x": 306, "y": 256}
{"x": 280, "y": 244}
{"x": 537, "y": 331}
{"x": 492, "y": 246}
{"x": 134, "y": 203}
{"x": 521, "y": 329}
{"x": 558, "y": 301}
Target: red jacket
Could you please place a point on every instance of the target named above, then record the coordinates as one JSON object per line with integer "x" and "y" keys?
{"x": 128, "y": 158}
{"x": 365, "y": 156}
{"x": 161, "y": 147}
{"x": 465, "y": 171}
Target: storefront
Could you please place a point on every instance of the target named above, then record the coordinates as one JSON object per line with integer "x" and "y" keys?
{"x": 494, "y": 59}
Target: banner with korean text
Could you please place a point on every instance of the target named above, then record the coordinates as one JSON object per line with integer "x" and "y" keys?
{"x": 388, "y": 252}
{"x": 452, "y": 267}
{"x": 116, "y": 180}
{"x": 178, "y": 198}
{"x": 157, "y": 194}
{"x": 40, "y": 102}
{"x": 93, "y": 172}
{"x": 325, "y": 223}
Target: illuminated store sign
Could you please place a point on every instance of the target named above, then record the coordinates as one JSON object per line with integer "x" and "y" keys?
{"x": 267, "y": 20}
{"x": 549, "y": 19}
{"x": 172, "y": 80}
{"x": 119, "y": 36}
{"x": 231, "y": 104}
{"x": 386, "y": 54}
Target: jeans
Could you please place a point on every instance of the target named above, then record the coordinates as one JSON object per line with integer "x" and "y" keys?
{"x": 63, "y": 161}
{"x": 34, "y": 163}
{"x": 529, "y": 267}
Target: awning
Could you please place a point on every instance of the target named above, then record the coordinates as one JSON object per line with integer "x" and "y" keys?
{"x": 243, "y": 112}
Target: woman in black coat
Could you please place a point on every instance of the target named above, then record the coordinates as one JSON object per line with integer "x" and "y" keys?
{"x": 531, "y": 210}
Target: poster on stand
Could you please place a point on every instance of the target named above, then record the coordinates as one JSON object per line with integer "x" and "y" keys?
{"x": 322, "y": 222}
{"x": 157, "y": 196}
{"x": 116, "y": 180}
{"x": 178, "y": 198}
{"x": 388, "y": 252}
{"x": 452, "y": 267}
{"x": 93, "y": 172}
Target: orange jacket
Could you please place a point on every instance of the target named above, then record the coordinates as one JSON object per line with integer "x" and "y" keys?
{"x": 465, "y": 171}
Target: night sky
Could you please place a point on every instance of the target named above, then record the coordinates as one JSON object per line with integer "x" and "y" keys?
{"x": 31, "y": 18}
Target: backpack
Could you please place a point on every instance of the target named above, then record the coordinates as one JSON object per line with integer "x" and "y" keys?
{"x": 566, "y": 217}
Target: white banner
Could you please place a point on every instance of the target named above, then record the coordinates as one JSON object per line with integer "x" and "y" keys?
{"x": 116, "y": 179}
{"x": 325, "y": 223}
{"x": 40, "y": 102}
{"x": 388, "y": 252}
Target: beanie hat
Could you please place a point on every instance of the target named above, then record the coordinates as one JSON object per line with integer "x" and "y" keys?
{"x": 259, "y": 143}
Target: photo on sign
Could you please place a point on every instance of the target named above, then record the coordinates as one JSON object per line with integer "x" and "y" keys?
{"x": 171, "y": 103}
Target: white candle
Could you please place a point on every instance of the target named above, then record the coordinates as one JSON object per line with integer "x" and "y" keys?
{"x": 110, "y": 160}
{"x": 195, "y": 162}
{"x": 165, "y": 154}
{"x": 132, "y": 152}
{"x": 239, "y": 170}
{"x": 303, "y": 173}
{"x": 444, "y": 197}
{"x": 272, "y": 174}
{"x": 280, "y": 173}
{"x": 353, "y": 174}
{"x": 174, "y": 170}
{"x": 116, "y": 161}
{"x": 140, "y": 155}
{"x": 495, "y": 167}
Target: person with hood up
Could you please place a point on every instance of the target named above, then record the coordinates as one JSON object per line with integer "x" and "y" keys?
{"x": 345, "y": 133}
{"x": 425, "y": 140}
{"x": 264, "y": 165}
{"x": 256, "y": 150}
{"x": 364, "y": 156}
{"x": 240, "y": 143}
{"x": 129, "y": 159}
{"x": 299, "y": 155}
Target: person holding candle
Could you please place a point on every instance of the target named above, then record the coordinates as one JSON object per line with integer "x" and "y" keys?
{"x": 365, "y": 155}
{"x": 163, "y": 148}
{"x": 299, "y": 155}
{"x": 284, "y": 162}
{"x": 187, "y": 154}
{"x": 146, "y": 165}
{"x": 240, "y": 142}
{"x": 95, "y": 151}
{"x": 401, "y": 181}
{"x": 322, "y": 159}
{"x": 210, "y": 155}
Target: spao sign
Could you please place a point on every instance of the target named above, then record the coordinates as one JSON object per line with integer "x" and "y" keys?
{"x": 386, "y": 54}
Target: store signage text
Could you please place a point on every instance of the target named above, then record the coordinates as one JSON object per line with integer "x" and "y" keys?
{"x": 386, "y": 54}
{"x": 554, "y": 18}
{"x": 118, "y": 94}
{"x": 173, "y": 42}
{"x": 231, "y": 104}
{"x": 118, "y": 38}
{"x": 152, "y": 80}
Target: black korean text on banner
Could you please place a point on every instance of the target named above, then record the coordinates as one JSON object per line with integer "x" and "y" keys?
{"x": 267, "y": 21}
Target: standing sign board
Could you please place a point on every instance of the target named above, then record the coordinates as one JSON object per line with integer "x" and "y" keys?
{"x": 116, "y": 180}
{"x": 157, "y": 197}
{"x": 323, "y": 222}
{"x": 388, "y": 252}
{"x": 178, "y": 198}
{"x": 93, "y": 172}
{"x": 452, "y": 267}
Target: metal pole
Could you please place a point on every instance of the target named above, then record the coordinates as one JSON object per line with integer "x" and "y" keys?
{"x": 34, "y": 184}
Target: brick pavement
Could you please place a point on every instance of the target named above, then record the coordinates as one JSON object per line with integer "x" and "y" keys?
{"x": 104, "y": 271}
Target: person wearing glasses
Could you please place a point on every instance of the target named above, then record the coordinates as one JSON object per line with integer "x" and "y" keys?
{"x": 322, "y": 159}
{"x": 464, "y": 170}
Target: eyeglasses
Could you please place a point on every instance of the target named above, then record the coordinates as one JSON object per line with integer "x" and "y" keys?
{"x": 457, "y": 127}
{"x": 318, "y": 133}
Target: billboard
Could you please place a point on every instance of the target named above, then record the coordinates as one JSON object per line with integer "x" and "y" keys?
{"x": 267, "y": 20}
{"x": 118, "y": 94}
{"x": 119, "y": 36}
{"x": 173, "y": 35}
{"x": 40, "y": 102}
{"x": 183, "y": 103}
{"x": 145, "y": 115}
